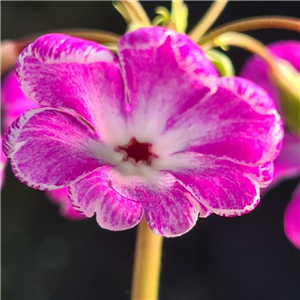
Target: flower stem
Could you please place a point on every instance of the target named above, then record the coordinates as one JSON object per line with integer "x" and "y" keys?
{"x": 132, "y": 11}
{"x": 179, "y": 15}
{"x": 147, "y": 260}
{"x": 253, "y": 24}
{"x": 207, "y": 20}
{"x": 245, "y": 42}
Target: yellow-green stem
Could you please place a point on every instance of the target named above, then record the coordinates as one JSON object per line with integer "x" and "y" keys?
{"x": 245, "y": 42}
{"x": 207, "y": 20}
{"x": 147, "y": 261}
{"x": 265, "y": 22}
{"x": 132, "y": 11}
{"x": 179, "y": 15}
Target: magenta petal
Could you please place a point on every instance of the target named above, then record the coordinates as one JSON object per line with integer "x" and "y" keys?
{"x": 287, "y": 50}
{"x": 203, "y": 211}
{"x": 82, "y": 76}
{"x": 93, "y": 194}
{"x": 170, "y": 210}
{"x": 230, "y": 195}
{"x": 13, "y": 100}
{"x": 292, "y": 219}
{"x": 221, "y": 186}
{"x": 61, "y": 198}
{"x": 50, "y": 149}
{"x": 3, "y": 164}
{"x": 245, "y": 128}
{"x": 165, "y": 74}
{"x": 256, "y": 69}
{"x": 265, "y": 174}
{"x": 239, "y": 122}
{"x": 287, "y": 164}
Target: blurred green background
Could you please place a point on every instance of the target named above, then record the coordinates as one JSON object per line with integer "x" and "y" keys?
{"x": 45, "y": 256}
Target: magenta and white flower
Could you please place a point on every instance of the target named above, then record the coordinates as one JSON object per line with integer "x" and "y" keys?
{"x": 13, "y": 100}
{"x": 292, "y": 219}
{"x": 3, "y": 164}
{"x": 152, "y": 131}
{"x": 257, "y": 71}
{"x": 66, "y": 209}
{"x": 14, "y": 104}
{"x": 287, "y": 164}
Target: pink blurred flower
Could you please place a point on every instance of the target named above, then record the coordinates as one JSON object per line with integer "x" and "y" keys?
{"x": 13, "y": 101}
{"x": 257, "y": 71}
{"x": 292, "y": 219}
{"x": 3, "y": 164}
{"x": 153, "y": 131}
{"x": 13, "y": 104}
{"x": 61, "y": 198}
{"x": 287, "y": 164}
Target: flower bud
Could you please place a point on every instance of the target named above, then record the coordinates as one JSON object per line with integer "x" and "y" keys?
{"x": 287, "y": 81}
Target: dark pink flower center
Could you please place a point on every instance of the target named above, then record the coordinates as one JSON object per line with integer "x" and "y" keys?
{"x": 135, "y": 152}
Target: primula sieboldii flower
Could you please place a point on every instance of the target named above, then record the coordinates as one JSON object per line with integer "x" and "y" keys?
{"x": 10, "y": 90}
{"x": 256, "y": 70}
{"x": 152, "y": 131}
{"x": 287, "y": 164}
{"x": 13, "y": 101}
{"x": 292, "y": 219}
{"x": 66, "y": 209}
{"x": 14, "y": 104}
{"x": 3, "y": 163}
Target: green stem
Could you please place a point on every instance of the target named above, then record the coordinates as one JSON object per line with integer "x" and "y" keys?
{"x": 207, "y": 20}
{"x": 147, "y": 261}
{"x": 245, "y": 42}
{"x": 265, "y": 22}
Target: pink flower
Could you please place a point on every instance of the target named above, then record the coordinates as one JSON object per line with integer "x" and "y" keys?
{"x": 292, "y": 219}
{"x": 153, "y": 131}
{"x": 13, "y": 101}
{"x": 287, "y": 164}
{"x": 61, "y": 198}
{"x": 3, "y": 164}
{"x": 14, "y": 104}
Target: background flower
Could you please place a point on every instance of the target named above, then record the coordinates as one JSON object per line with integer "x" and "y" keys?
{"x": 287, "y": 164}
{"x": 3, "y": 163}
{"x": 292, "y": 219}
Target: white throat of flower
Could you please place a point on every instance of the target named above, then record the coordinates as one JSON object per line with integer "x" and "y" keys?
{"x": 138, "y": 159}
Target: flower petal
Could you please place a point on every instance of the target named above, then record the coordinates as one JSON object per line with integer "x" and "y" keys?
{"x": 61, "y": 198}
{"x": 50, "y": 149}
{"x": 288, "y": 50}
{"x": 3, "y": 164}
{"x": 287, "y": 164}
{"x": 292, "y": 219}
{"x": 13, "y": 100}
{"x": 170, "y": 210}
{"x": 256, "y": 69}
{"x": 93, "y": 194}
{"x": 203, "y": 211}
{"x": 82, "y": 76}
{"x": 223, "y": 187}
{"x": 238, "y": 122}
{"x": 173, "y": 215}
{"x": 165, "y": 74}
